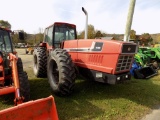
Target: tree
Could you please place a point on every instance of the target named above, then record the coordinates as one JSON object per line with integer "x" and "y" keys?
{"x": 91, "y": 33}
{"x": 38, "y": 38}
{"x": 133, "y": 34}
{"x": 81, "y": 35}
{"x": 15, "y": 38}
{"x": 98, "y": 34}
{"x": 157, "y": 39}
{"x": 146, "y": 38}
{"x": 5, "y": 24}
{"x": 34, "y": 39}
{"x": 18, "y": 35}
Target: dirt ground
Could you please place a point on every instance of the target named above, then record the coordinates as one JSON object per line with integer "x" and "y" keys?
{"x": 27, "y": 59}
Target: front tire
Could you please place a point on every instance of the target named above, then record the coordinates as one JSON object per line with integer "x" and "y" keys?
{"x": 23, "y": 81}
{"x": 40, "y": 62}
{"x": 61, "y": 72}
{"x": 24, "y": 86}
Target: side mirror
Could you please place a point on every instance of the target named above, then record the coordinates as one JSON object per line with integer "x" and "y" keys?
{"x": 21, "y": 35}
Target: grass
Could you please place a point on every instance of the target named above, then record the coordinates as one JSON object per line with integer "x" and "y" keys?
{"x": 95, "y": 101}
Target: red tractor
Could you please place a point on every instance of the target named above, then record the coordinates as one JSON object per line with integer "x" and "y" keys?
{"x": 12, "y": 77}
{"x": 61, "y": 56}
{"x": 14, "y": 80}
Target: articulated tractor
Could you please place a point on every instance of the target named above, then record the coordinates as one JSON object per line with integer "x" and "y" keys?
{"x": 61, "y": 56}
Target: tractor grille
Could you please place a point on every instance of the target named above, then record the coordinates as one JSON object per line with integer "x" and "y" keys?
{"x": 124, "y": 62}
{"x": 95, "y": 59}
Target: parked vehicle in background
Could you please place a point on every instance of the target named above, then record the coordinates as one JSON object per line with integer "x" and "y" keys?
{"x": 29, "y": 50}
{"x": 20, "y": 45}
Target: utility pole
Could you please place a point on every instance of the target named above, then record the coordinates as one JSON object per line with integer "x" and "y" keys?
{"x": 35, "y": 39}
{"x": 86, "y": 26}
{"x": 129, "y": 20}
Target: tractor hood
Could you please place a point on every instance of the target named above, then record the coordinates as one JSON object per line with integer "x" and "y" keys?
{"x": 99, "y": 45}
{"x": 109, "y": 56}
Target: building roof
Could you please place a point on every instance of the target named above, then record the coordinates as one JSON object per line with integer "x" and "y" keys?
{"x": 106, "y": 38}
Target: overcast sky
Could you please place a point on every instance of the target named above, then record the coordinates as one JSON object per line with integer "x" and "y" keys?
{"x": 105, "y": 15}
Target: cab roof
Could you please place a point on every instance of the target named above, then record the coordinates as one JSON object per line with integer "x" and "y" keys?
{"x": 59, "y": 23}
{"x": 6, "y": 29}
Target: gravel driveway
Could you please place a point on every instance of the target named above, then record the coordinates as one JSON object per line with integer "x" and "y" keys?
{"x": 27, "y": 59}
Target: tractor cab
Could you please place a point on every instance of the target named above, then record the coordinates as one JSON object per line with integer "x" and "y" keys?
{"x": 12, "y": 77}
{"x": 5, "y": 41}
{"x": 6, "y": 47}
{"x": 57, "y": 33}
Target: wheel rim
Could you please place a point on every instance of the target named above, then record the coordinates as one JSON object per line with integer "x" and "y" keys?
{"x": 54, "y": 72}
{"x": 35, "y": 62}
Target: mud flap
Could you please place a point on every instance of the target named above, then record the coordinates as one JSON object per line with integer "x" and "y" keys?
{"x": 41, "y": 109}
{"x": 144, "y": 73}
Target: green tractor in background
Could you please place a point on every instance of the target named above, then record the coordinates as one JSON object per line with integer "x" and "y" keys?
{"x": 146, "y": 62}
{"x": 152, "y": 56}
{"x": 144, "y": 66}
{"x": 141, "y": 59}
{"x": 155, "y": 54}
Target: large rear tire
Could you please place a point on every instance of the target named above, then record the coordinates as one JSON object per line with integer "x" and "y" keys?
{"x": 23, "y": 81}
{"x": 61, "y": 72}
{"x": 40, "y": 62}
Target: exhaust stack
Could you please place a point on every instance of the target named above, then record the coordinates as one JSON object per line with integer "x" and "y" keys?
{"x": 86, "y": 27}
{"x": 129, "y": 20}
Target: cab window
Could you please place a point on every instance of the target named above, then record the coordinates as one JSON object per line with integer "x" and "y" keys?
{"x": 5, "y": 42}
{"x": 49, "y": 35}
{"x": 63, "y": 33}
